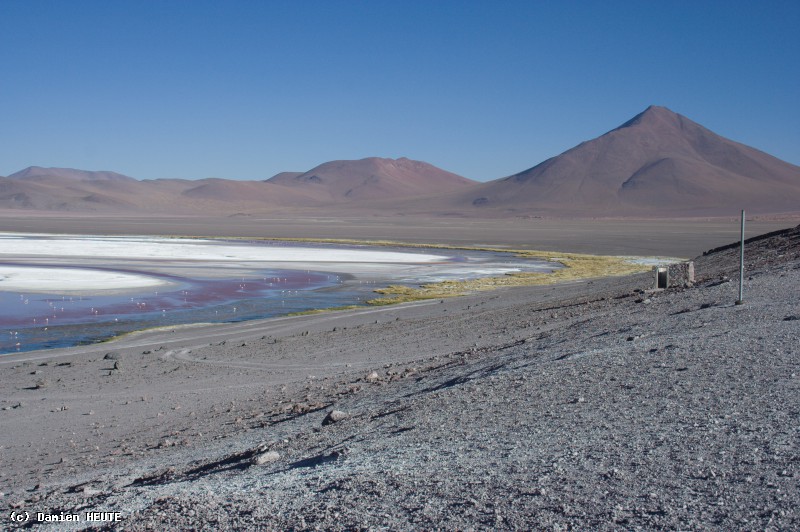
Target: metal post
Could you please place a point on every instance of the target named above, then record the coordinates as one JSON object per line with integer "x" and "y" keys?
{"x": 740, "y": 301}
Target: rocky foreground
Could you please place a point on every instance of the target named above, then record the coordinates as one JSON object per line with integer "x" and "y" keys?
{"x": 596, "y": 405}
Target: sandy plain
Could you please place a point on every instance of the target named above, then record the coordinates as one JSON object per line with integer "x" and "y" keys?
{"x": 675, "y": 238}
{"x": 593, "y": 404}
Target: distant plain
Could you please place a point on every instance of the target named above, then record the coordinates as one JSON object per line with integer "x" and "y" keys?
{"x": 675, "y": 238}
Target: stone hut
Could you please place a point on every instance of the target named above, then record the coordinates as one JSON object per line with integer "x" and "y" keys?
{"x": 680, "y": 274}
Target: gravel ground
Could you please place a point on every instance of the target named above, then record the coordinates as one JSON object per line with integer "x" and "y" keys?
{"x": 598, "y": 405}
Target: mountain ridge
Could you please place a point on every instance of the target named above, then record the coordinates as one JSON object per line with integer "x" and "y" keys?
{"x": 656, "y": 164}
{"x": 334, "y": 183}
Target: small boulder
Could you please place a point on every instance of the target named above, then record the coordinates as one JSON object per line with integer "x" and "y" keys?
{"x": 333, "y": 417}
{"x": 265, "y": 458}
{"x": 373, "y": 377}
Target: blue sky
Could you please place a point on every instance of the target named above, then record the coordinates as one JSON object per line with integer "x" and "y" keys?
{"x": 244, "y": 90}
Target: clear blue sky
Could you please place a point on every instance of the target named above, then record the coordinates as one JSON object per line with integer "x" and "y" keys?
{"x": 244, "y": 90}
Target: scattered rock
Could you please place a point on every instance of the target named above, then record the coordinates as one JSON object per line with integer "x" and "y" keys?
{"x": 113, "y": 355}
{"x": 334, "y": 416}
{"x": 791, "y": 318}
{"x": 373, "y": 377}
{"x": 304, "y": 408}
{"x": 118, "y": 365}
{"x": 265, "y": 458}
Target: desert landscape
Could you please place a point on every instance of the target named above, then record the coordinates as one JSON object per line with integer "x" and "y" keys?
{"x": 592, "y": 401}
{"x": 399, "y": 266}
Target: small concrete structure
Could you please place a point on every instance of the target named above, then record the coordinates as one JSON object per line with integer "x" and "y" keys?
{"x": 679, "y": 274}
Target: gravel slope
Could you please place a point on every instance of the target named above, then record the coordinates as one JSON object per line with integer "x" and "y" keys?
{"x": 592, "y": 406}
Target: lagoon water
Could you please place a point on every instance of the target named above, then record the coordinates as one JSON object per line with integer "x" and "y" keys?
{"x": 58, "y": 291}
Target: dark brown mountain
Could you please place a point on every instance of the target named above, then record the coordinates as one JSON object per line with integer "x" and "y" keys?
{"x": 373, "y": 179}
{"x": 657, "y": 164}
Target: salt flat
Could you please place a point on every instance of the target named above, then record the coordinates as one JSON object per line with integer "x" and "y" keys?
{"x": 220, "y": 258}
{"x": 198, "y": 249}
{"x": 34, "y": 279}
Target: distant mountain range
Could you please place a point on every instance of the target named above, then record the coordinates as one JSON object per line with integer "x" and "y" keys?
{"x": 336, "y": 184}
{"x": 658, "y": 164}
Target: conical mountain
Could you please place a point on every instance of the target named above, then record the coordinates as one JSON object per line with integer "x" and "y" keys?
{"x": 657, "y": 164}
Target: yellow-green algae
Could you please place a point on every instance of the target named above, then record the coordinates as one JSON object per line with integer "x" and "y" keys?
{"x": 318, "y": 310}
